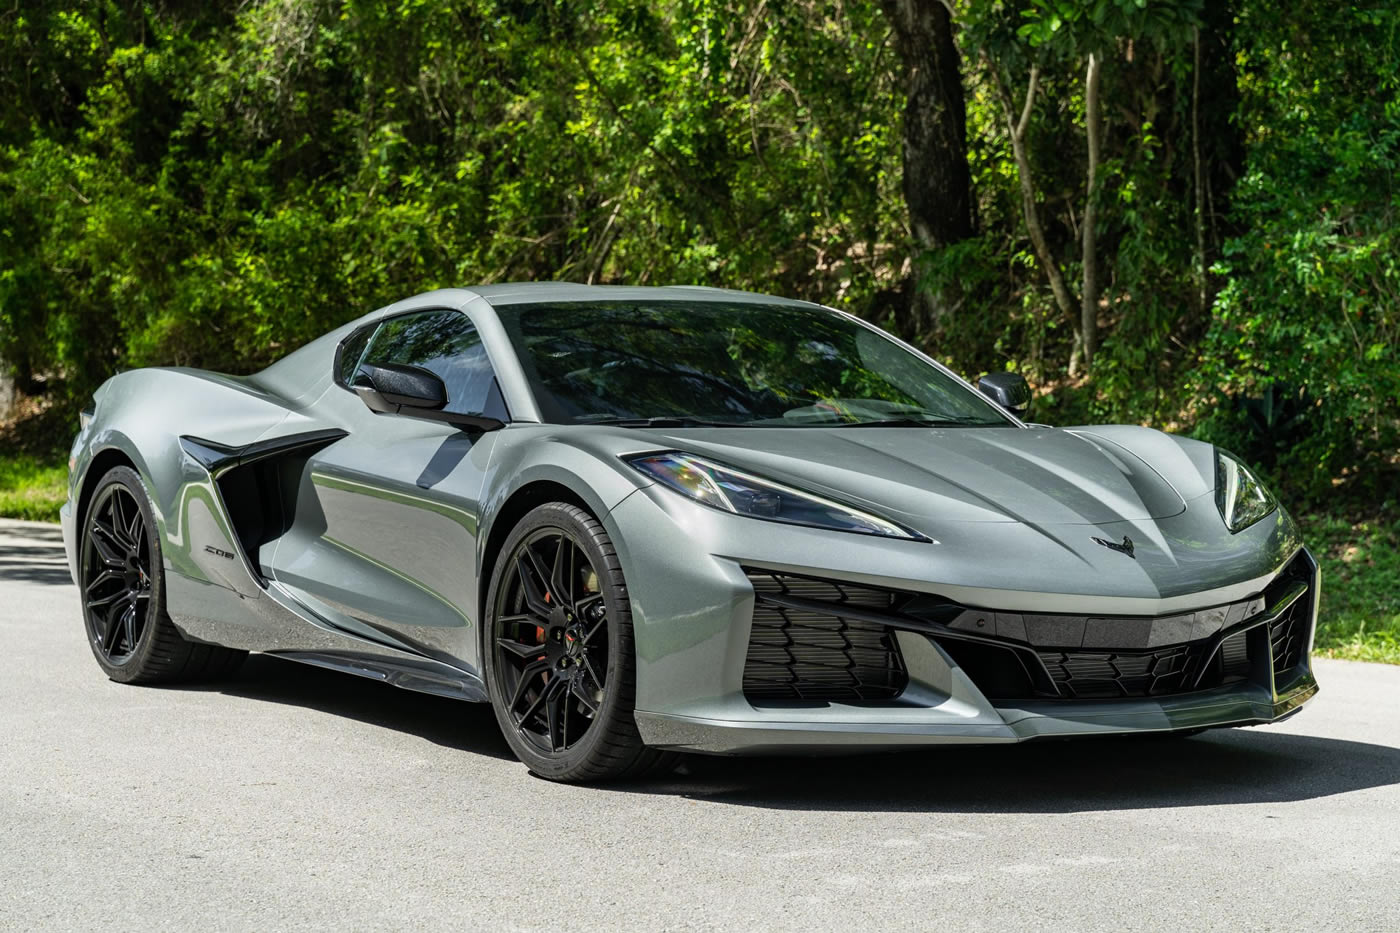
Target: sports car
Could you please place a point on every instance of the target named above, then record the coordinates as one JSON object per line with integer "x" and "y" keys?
{"x": 645, "y": 520}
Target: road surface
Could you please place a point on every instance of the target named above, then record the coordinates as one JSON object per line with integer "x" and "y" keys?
{"x": 295, "y": 798}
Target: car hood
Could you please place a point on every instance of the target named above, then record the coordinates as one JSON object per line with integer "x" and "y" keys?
{"x": 1039, "y": 476}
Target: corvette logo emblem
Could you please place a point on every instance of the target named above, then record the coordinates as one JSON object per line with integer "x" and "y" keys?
{"x": 1125, "y": 548}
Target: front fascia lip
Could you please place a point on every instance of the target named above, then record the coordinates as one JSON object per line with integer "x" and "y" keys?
{"x": 905, "y": 533}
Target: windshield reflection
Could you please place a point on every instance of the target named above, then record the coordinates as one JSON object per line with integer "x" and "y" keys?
{"x": 677, "y": 363}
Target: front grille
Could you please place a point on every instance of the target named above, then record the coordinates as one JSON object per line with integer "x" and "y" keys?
{"x": 1234, "y": 656}
{"x": 1287, "y": 641}
{"x": 818, "y": 654}
{"x": 1093, "y": 675}
{"x": 1288, "y": 634}
{"x": 828, "y": 641}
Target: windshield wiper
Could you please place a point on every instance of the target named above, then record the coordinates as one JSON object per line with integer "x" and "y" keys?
{"x": 921, "y": 423}
{"x": 669, "y": 421}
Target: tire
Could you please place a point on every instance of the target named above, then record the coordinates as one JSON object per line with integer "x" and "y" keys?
{"x": 543, "y": 655}
{"x": 123, "y": 593}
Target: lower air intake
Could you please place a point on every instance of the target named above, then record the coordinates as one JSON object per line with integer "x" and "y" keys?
{"x": 1099, "y": 675}
{"x": 1289, "y": 633}
{"x": 799, "y": 654}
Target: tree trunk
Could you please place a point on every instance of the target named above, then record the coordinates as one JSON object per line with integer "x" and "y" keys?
{"x": 1222, "y": 138}
{"x": 1017, "y": 130}
{"x": 937, "y": 183}
{"x": 1089, "y": 309}
{"x": 1198, "y": 184}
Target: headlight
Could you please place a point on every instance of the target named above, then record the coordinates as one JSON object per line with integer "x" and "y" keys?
{"x": 731, "y": 490}
{"x": 1243, "y": 500}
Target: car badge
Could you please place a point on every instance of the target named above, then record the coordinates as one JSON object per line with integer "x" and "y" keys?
{"x": 1125, "y": 548}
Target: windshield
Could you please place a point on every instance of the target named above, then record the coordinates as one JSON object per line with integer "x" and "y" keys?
{"x": 728, "y": 363}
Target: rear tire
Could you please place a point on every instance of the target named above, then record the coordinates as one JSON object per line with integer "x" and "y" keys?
{"x": 123, "y": 593}
{"x": 559, "y": 657}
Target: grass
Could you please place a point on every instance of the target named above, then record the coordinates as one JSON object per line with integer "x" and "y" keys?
{"x": 1360, "y": 560}
{"x": 31, "y": 488}
{"x": 33, "y": 458}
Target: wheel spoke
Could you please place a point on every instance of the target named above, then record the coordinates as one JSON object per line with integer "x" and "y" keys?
{"x": 132, "y": 529}
{"x": 114, "y": 626}
{"x": 541, "y": 575}
{"x": 538, "y": 701}
{"x": 129, "y": 626}
{"x": 107, "y": 600}
{"x": 588, "y": 666}
{"x": 137, "y": 534}
{"x": 597, "y": 626}
{"x": 584, "y": 698}
{"x": 533, "y": 591}
{"x": 106, "y": 576}
{"x": 527, "y": 674}
{"x": 114, "y": 512}
{"x": 120, "y": 523}
{"x": 555, "y": 714}
{"x": 560, "y": 575}
{"x": 520, "y": 649}
{"x": 563, "y": 715}
{"x": 107, "y": 550}
{"x": 523, "y": 618}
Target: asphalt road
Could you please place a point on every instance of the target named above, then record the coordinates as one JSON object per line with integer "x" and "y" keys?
{"x": 294, "y": 798}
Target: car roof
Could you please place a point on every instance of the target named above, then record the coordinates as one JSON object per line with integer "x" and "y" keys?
{"x": 514, "y": 293}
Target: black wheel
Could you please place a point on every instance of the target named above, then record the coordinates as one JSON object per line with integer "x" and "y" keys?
{"x": 560, "y": 664}
{"x": 123, "y": 592}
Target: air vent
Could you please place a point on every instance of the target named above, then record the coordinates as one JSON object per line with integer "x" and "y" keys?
{"x": 815, "y": 653}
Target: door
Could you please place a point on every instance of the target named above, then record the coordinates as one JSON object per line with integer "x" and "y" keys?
{"x": 384, "y": 540}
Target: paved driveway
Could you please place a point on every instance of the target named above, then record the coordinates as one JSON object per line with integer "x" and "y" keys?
{"x": 295, "y": 798}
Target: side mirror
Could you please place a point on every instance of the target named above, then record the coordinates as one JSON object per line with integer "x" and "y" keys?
{"x": 387, "y": 387}
{"x": 1009, "y": 390}
{"x": 395, "y": 389}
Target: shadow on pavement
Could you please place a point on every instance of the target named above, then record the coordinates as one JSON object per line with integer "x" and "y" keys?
{"x": 34, "y": 531}
{"x": 32, "y": 553}
{"x": 1129, "y": 773}
{"x": 1231, "y": 766}
{"x": 33, "y": 565}
{"x": 467, "y": 727}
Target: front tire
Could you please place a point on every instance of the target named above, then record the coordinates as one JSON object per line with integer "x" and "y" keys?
{"x": 123, "y": 593}
{"x": 559, "y": 658}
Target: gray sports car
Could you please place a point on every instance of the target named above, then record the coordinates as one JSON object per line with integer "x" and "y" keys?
{"x": 636, "y": 520}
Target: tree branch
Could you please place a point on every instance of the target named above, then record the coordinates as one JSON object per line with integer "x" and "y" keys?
{"x": 1017, "y": 130}
{"x": 1030, "y": 101}
{"x": 1089, "y": 310}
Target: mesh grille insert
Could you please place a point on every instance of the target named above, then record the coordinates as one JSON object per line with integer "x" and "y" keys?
{"x": 1288, "y": 637}
{"x": 820, "y": 656}
{"x": 1100, "y": 675}
{"x": 1289, "y": 633}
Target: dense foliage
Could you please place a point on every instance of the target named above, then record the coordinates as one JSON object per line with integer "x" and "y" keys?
{"x": 208, "y": 182}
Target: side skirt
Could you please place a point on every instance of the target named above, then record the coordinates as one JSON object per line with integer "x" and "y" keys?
{"x": 278, "y": 625}
{"x": 422, "y": 676}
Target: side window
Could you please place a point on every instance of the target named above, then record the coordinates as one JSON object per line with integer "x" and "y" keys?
{"x": 446, "y": 344}
{"x": 347, "y": 356}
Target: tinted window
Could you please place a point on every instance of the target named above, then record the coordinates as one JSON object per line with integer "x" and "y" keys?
{"x": 779, "y": 365}
{"x": 348, "y": 358}
{"x": 446, "y": 344}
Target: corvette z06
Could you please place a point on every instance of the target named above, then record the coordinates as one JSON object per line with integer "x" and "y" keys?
{"x": 640, "y": 520}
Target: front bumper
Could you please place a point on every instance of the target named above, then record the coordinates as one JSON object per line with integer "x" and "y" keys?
{"x": 694, "y": 620}
{"x": 70, "y": 542}
{"x": 865, "y": 730}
